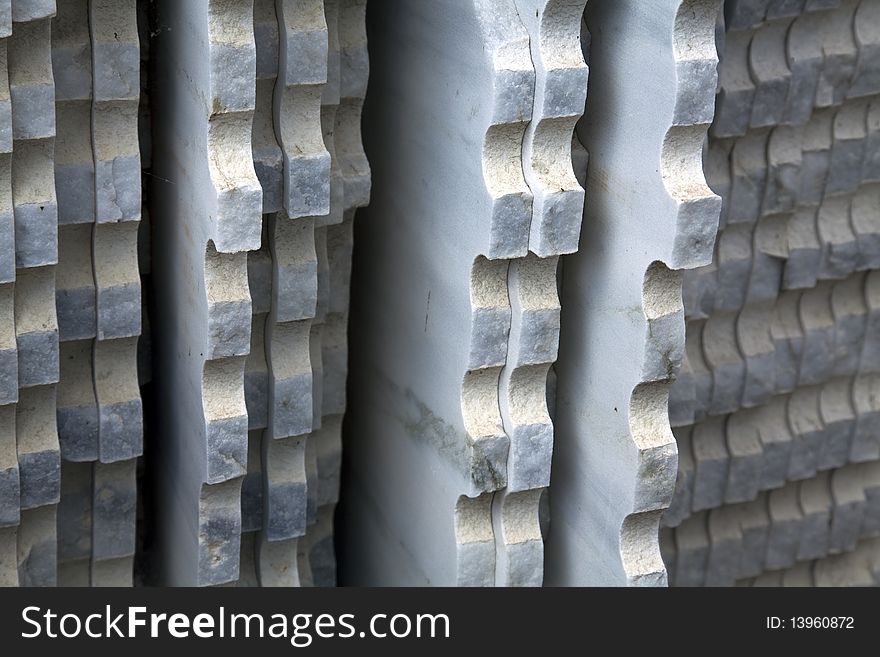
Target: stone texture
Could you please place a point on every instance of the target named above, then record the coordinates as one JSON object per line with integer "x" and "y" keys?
{"x": 206, "y": 222}
{"x": 622, "y": 292}
{"x": 433, "y": 341}
{"x": 75, "y": 515}
{"x": 76, "y": 407}
{"x": 794, "y": 258}
{"x": 114, "y": 500}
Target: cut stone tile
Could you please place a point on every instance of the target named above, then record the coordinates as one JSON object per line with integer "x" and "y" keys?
{"x": 871, "y": 485}
{"x": 788, "y": 336}
{"x": 777, "y": 442}
{"x": 322, "y": 559}
{"x": 8, "y": 347}
{"x": 840, "y": 249}
{"x": 805, "y": 420}
{"x": 35, "y": 207}
{"x": 10, "y": 481}
{"x": 680, "y": 508}
{"x": 72, "y": 56}
{"x": 256, "y": 377}
{"x": 75, "y": 284}
{"x": 247, "y": 568}
{"x": 74, "y": 573}
{"x": 31, "y": 83}
{"x": 7, "y": 219}
{"x": 519, "y": 548}
{"x": 848, "y": 150}
{"x": 252, "y": 488}
{"x": 297, "y": 109}
{"x": 692, "y": 547}
{"x": 804, "y": 249}
{"x": 746, "y": 461}
{"x": 74, "y": 168}
{"x": 115, "y": 67}
{"x": 818, "y": 139}
{"x": 817, "y": 507}
{"x": 758, "y": 350}
{"x": 755, "y": 528}
{"x": 866, "y": 433}
{"x": 291, "y": 410}
{"x": 77, "y": 407}
{"x": 120, "y": 410}
{"x": 726, "y": 362}
{"x": 799, "y": 575}
{"x": 734, "y": 261}
{"x": 712, "y": 464}
{"x": 848, "y": 493}
{"x": 840, "y": 52}
{"x": 749, "y": 177}
{"x": 328, "y": 451}
{"x": 329, "y": 106}
{"x": 786, "y": 522}
{"x": 284, "y": 488}
{"x": 871, "y": 171}
{"x": 770, "y": 72}
{"x": 112, "y": 572}
{"x": 737, "y": 91}
{"x": 117, "y": 282}
{"x": 39, "y": 459}
{"x": 37, "y": 547}
{"x": 866, "y": 225}
{"x": 75, "y": 517}
{"x": 784, "y": 161}
{"x": 866, "y": 79}
{"x": 354, "y": 67}
{"x": 805, "y": 60}
{"x": 114, "y": 501}
{"x": 31, "y": 10}
{"x": 838, "y": 418}
{"x": 278, "y": 563}
{"x": 725, "y": 552}
{"x": 9, "y": 556}
{"x": 850, "y": 316}
{"x": 817, "y": 320}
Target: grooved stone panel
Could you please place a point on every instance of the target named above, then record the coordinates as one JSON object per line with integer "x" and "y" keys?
{"x": 774, "y": 411}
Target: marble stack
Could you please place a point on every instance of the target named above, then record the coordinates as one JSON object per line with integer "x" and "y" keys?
{"x": 96, "y": 64}
{"x": 266, "y": 170}
{"x": 313, "y": 172}
{"x": 649, "y": 214}
{"x": 72, "y": 419}
{"x": 615, "y": 310}
{"x": 776, "y": 409}
{"x": 456, "y": 316}
{"x": 31, "y": 468}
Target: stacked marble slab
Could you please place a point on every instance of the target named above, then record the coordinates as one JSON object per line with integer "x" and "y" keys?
{"x": 858, "y": 567}
{"x": 299, "y": 284}
{"x": 30, "y": 358}
{"x": 776, "y": 409}
{"x": 96, "y": 65}
{"x": 648, "y": 215}
{"x": 264, "y": 170}
{"x": 71, "y": 419}
{"x": 469, "y": 125}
